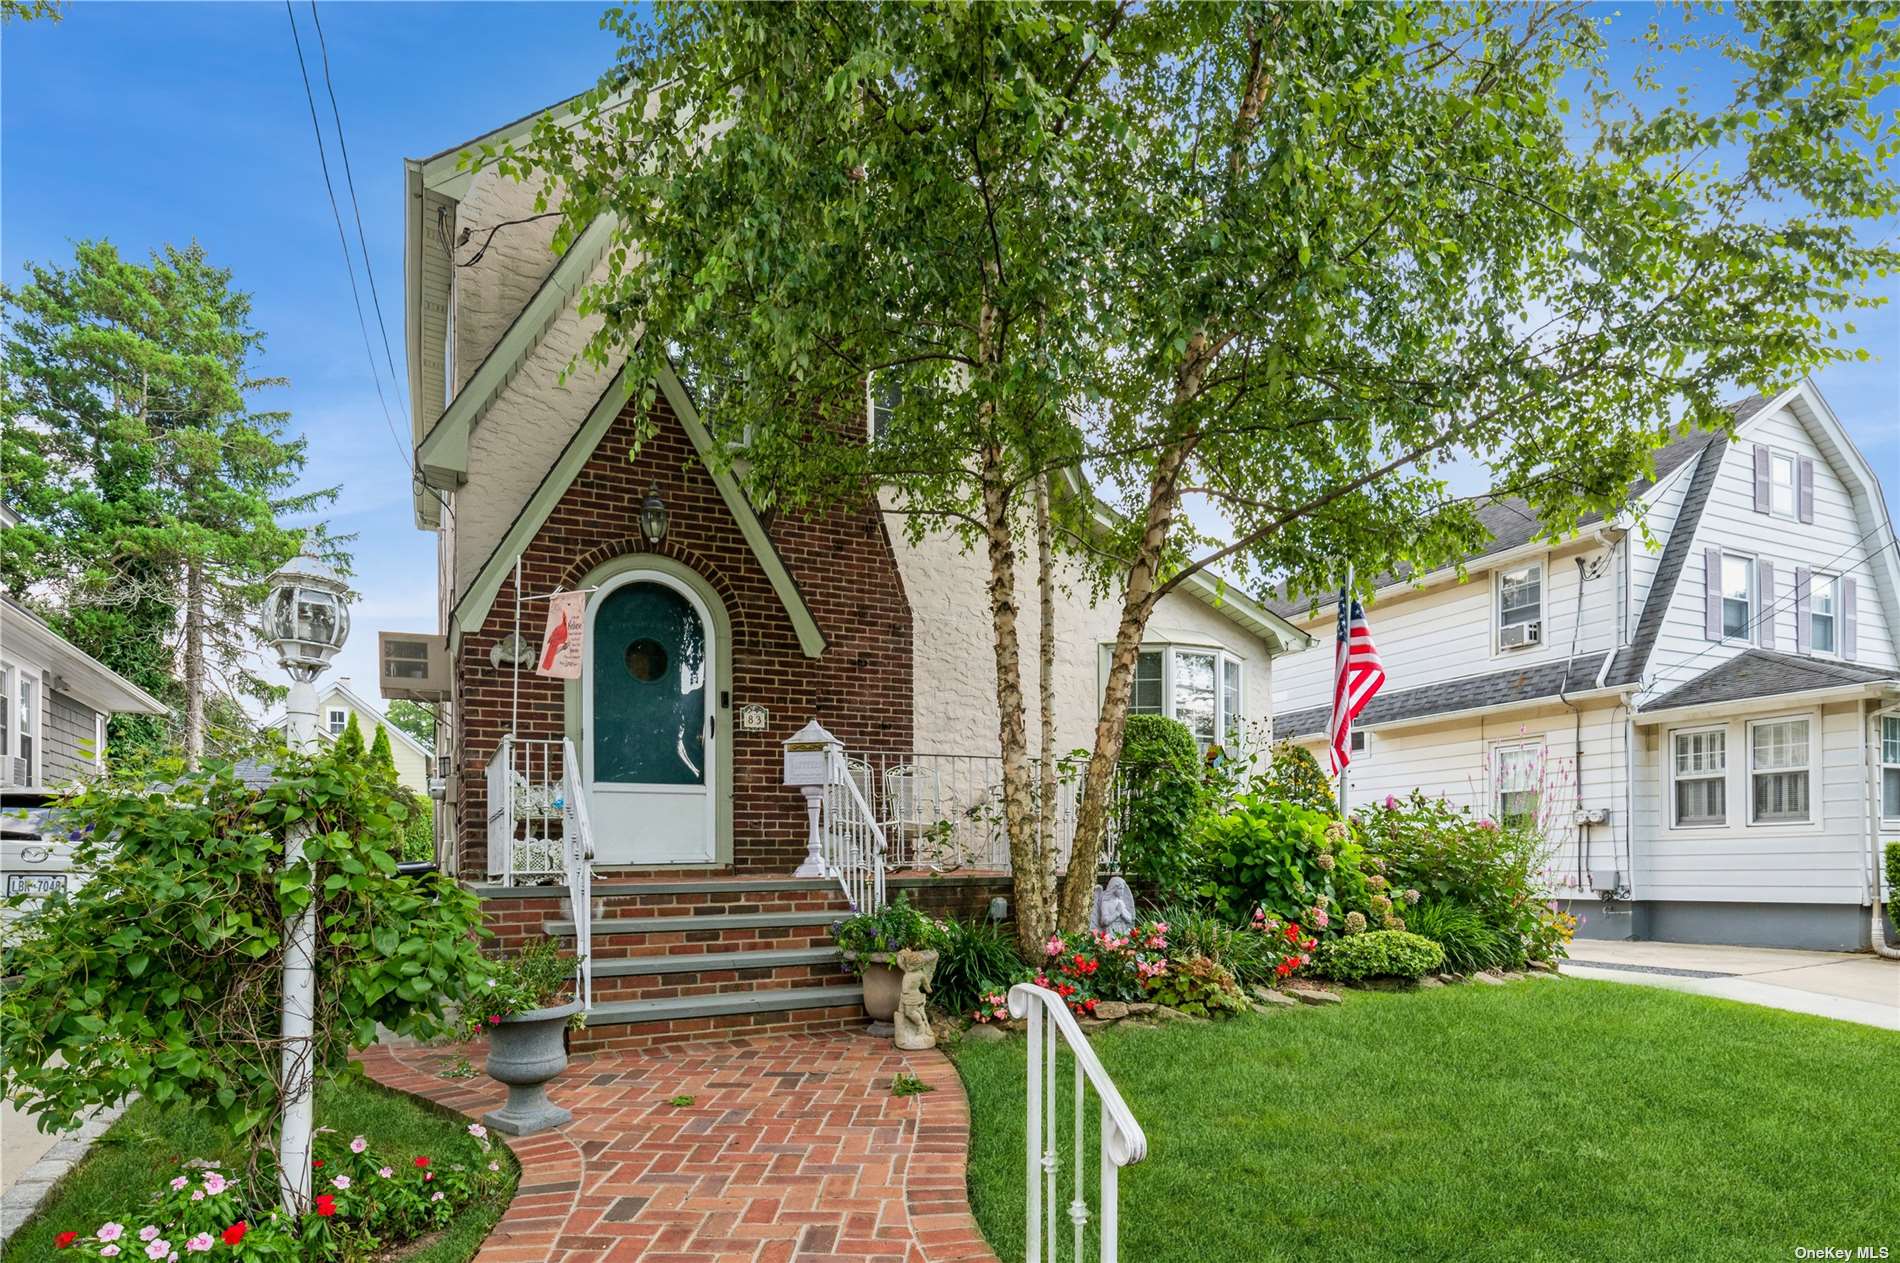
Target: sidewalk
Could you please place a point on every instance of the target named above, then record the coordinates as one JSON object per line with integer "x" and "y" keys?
{"x": 1853, "y": 987}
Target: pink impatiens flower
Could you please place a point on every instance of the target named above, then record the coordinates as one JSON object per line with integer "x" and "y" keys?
{"x": 477, "y": 1130}
{"x": 158, "y": 1249}
{"x": 108, "y": 1251}
{"x": 111, "y": 1231}
{"x": 358, "y": 1145}
{"x": 199, "y": 1244}
{"x": 385, "y": 1172}
{"x": 435, "y": 1196}
{"x": 179, "y": 1183}
{"x": 215, "y": 1184}
{"x": 341, "y": 1181}
{"x": 148, "y": 1232}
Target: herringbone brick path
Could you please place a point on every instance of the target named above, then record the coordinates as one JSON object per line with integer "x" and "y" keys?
{"x": 793, "y": 1151}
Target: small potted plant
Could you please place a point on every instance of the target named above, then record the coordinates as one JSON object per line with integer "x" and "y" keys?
{"x": 871, "y": 941}
{"x": 520, "y": 1008}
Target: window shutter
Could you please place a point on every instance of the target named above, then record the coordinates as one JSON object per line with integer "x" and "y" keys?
{"x": 1804, "y": 489}
{"x": 1803, "y": 626}
{"x": 1762, "y": 489}
{"x": 1850, "y": 625}
{"x": 1765, "y": 573}
{"x": 1712, "y": 589}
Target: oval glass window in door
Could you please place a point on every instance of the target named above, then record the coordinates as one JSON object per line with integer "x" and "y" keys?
{"x": 649, "y": 669}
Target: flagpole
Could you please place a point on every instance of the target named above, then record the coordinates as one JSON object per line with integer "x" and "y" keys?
{"x": 1345, "y": 770}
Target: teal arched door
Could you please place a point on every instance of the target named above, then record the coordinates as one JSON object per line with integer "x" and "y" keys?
{"x": 648, "y": 680}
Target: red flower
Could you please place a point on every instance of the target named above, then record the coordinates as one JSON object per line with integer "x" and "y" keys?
{"x": 316, "y": 1162}
{"x": 326, "y": 1205}
{"x": 235, "y": 1233}
{"x": 65, "y": 1239}
{"x": 1293, "y": 932}
{"x": 494, "y": 1019}
{"x": 422, "y": 1160}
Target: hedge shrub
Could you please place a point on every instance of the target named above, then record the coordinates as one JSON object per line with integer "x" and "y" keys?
{"x": 1271, "y": 855}
{"x": 1893, "y": 884}
{"x": 1379, "y": 954}
{"x": 1162, "y": 766}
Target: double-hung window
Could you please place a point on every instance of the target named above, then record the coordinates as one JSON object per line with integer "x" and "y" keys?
{"x": 1738, "y": 597}
{"x": 1890, "y": 767}
{"x": 1824, "y": 606}
{"x": 1150, "y": 694}
{"x": 29, "y": 726}
{"x": 337, "y": 720}
{"x": 880, "y": 404}
{"x": 6, "y": 721}
{"x": 1699, "y": 770}
{"x": 1781, "y": 484}
{"x": 1518, "y": 780}
{"x": 1779, "y": 771}
{"x": 1520, "y": 606}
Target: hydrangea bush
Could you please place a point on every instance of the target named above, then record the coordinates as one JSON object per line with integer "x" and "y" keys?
{"x": 364, "y": 1205}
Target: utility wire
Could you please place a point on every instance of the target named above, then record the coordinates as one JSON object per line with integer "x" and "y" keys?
{"x": 349, "y": 266}
{"x": 349, "y": 180}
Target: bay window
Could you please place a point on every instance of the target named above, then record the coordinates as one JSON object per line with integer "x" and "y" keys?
{"x": 1779, "y": 771}
{"x": 1699, "y": 772}
{"x": 1200, "y": 687}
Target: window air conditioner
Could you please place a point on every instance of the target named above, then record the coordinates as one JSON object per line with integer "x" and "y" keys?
{"x": 1519, "y": 635}
{"x": 412, "y": 665}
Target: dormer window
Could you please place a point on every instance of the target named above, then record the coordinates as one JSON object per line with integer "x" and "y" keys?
{"x": 1521, "y": 607}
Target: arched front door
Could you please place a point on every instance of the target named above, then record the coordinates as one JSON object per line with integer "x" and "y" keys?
{"x": 647, "y": 686}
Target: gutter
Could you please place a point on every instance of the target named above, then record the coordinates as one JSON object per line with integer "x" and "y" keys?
{"x": 1877, "y": 930}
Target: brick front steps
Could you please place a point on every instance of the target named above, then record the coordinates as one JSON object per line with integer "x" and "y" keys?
{"x": 714, "y": 955}
{"x": 792, "y": 1149}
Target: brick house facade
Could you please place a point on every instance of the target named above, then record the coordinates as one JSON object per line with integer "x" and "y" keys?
{"x": 860, "y": 687}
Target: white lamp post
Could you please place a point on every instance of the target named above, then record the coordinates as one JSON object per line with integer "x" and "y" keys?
{"x": 306, "y": 620}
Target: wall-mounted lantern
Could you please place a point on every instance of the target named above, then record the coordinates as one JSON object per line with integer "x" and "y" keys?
{"x": 653, "y": 516}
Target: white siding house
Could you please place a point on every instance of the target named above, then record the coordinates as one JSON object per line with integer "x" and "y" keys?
{"x": 1707, "y": 715}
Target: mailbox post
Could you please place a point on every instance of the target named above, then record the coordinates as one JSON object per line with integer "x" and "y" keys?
{"x": 809, "y": 757}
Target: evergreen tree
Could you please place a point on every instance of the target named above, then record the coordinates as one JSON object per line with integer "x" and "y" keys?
{"x": 351, "y": 742}
{"x": 380, "y": 754}
{"x": 150, "y": 492}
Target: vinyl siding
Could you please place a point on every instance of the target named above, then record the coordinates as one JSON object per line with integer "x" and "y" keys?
{"x": 1454, "y": 761}
{"x": 1823, "y": 861}
{"x": 1658, "y": 513}
{"x": 1831, "y": 543}
{"x": 412, "y": 769}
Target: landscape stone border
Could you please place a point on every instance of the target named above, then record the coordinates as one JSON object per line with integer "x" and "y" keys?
{"x": 32, "y": 1186}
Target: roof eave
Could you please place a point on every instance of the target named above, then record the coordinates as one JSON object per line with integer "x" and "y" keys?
{"x": 1768, "y": 701}
{"x": 81, "y": 675}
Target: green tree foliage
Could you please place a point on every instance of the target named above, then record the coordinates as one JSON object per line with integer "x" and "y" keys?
{"x": 381, "y": 757}
{"x": 1289, "y": 261}
{"x": 162, "y": 974}
{"x": 151, "y": 493}
{"x": 413, "y": 718}
{"x": 1269, "y": 856}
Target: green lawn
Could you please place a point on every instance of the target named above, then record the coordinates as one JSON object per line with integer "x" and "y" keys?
{"x": 1544, "y": 1120}
{"x": 144, "y": 1148}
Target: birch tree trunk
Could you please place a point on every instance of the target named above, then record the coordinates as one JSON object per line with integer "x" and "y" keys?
{"x": 194, "y": 663}
{"x": 1047, "y": 790}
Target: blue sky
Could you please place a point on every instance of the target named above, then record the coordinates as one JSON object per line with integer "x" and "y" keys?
{"x": 154, "y": 123}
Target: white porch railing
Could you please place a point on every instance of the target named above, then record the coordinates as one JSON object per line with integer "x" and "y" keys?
{"x": 1120, "y": 1138}
{"x": 539, "y": 832}
{"x": 580, "y": 869}
{"x": 945, "y": 811}
{"x": 853, "y": 842}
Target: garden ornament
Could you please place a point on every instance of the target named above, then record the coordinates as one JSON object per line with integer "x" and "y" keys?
{"x": 1114, "y": 909}
{"x": 912, "y": 1022}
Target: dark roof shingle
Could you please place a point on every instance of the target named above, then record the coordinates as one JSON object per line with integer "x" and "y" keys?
{"x": 1758, "y": 673}
{"x": 1499, "y": 688}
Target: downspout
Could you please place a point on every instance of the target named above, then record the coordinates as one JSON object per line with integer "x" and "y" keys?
{"x": 1878, "y": 935}
{"x": 1576, "y": 738}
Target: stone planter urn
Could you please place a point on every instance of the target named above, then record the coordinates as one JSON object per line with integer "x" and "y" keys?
{"x": 526, "y": 1051}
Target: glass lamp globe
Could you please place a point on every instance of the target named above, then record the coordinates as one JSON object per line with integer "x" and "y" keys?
{"x": 305, "y": 617}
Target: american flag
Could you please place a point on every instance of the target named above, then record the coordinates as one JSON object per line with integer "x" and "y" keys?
{"x": 1357, "y": 675}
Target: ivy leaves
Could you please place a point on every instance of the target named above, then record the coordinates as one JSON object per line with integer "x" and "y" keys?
{"x": 161, "y": 974}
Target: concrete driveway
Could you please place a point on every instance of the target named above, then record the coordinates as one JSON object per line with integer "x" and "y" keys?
{"x": 1851, "y": 986}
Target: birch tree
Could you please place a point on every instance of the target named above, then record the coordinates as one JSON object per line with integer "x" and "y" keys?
{"x": 1283, "y": 262}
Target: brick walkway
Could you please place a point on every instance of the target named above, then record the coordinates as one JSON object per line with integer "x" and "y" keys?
{"x": 793, "y": 1151}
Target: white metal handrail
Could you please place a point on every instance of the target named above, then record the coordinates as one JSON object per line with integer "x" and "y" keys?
{"x": 1122, "y": 1142}
{"x": 854, "y": 844}
{"x": 580, "y": 869}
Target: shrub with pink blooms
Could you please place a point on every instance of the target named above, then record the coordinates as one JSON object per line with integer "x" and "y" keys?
{"x": 363, "y": 1206}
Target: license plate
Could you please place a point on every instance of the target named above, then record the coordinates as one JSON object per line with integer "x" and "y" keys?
{"x": 35, "y": 883}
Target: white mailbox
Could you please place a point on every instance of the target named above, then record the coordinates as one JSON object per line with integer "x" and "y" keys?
{"x": 808, "y": 755}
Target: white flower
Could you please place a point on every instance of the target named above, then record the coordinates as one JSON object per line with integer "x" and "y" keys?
{"x": 436, "y": 1196}
{"x": 358, "y": 1145}
{"x": 385, "y": 1172}
{"x": 477, "y": 1130}
{"x": 494, "y": 1166}
{"x": 341, "y": 1181}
